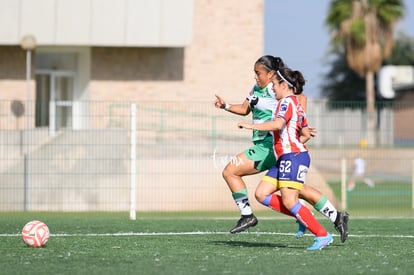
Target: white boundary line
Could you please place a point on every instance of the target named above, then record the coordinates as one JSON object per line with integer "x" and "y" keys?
{"x": 147, "y": 234}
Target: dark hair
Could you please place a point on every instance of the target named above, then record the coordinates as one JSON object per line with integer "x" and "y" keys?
{"x": 270, "y": 62}
{"x": 294, "y": 79}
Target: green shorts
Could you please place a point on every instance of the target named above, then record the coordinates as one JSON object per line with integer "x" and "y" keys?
{"x": 262, "y": 154}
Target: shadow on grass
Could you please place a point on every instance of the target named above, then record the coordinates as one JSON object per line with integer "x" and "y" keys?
{"x": 255, "y": 244}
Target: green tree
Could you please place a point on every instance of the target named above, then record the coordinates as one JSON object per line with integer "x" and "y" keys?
{"x": 333, "y": 87}
{"x": 364, "y": 29}
{"x": 402, "y": 52}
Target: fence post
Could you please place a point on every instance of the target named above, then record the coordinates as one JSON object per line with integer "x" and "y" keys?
{"x": 132, "y": 187}
{"x": 344, "y": 195}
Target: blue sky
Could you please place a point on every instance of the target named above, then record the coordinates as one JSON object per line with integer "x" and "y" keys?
{"x": 295, "y": 31}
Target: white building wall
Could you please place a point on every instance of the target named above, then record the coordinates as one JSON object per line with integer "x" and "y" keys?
{"x": 9, "y": 21}
{"x": 122, "y": 23}
{"x": 70, "y": 18}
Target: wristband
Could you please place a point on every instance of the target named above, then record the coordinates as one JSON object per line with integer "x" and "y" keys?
{"x": 227, "y": 107}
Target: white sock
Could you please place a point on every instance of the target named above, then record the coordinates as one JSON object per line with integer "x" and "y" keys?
{"x": 329, "y": 211}
{"x": 244, "y": 206}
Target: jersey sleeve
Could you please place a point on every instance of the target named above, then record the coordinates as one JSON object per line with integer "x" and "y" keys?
{"x": 305, "y": 122}
{"x": 284, "y": 109}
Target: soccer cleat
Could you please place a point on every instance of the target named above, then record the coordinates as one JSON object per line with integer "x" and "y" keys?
{"x": 321, "y": 242}
{"x": 341, "y": 224}
{"x": 301, "y": 230}
{"x": 244, "y": 223}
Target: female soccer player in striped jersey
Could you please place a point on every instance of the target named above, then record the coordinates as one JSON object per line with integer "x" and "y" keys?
{"x": 261, "y": 102}
{"x": 290, "y": 130}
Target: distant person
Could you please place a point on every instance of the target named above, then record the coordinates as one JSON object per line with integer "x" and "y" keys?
{"x": 359, "y": 174}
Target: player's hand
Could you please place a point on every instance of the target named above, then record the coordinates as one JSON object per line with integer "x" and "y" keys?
{"x": 313, "y": 131}
{"x": 245, "y": 125}
{"x": 219, "y": 102}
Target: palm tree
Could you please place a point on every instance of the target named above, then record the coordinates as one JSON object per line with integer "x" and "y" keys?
{"x": 364, "y": 28}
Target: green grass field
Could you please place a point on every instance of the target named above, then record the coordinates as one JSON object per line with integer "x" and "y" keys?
{"x": 198, "y": 243}
{"x": 386, "y": 199}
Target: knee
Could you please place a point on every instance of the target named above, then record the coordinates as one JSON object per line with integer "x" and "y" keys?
{"x": 260, "y": 196}
{"x": 227, "y": 173}
{"x": 288, "y": 202}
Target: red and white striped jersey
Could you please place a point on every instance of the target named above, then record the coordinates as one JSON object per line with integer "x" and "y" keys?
{"x": 287, "y": 139}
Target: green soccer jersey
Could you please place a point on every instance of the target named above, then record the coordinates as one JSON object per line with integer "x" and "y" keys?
{"x": 262, "y": 103}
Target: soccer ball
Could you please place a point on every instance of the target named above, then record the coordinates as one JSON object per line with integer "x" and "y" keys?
{"x": 35, "y": 234}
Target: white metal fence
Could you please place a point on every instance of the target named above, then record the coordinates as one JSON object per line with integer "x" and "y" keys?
{"x": 169, "y": 154}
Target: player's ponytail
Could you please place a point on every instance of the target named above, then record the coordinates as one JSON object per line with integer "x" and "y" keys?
{"x": 295, "y": 79}
{"x": 299, "y": 81}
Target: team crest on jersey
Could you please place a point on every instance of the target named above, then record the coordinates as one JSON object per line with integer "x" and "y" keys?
{"x": 283, "y": 107}
{"x": 266, "y": 94}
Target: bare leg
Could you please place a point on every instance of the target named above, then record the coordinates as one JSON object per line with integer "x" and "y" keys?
{"x": 321, "y": 203}
{"x": 233, "y": 172}
{"x": 310, "y": 194}
{"x": 237, "y": 168}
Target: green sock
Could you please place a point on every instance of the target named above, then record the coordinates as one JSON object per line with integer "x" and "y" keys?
{"x": 239, "y": 194}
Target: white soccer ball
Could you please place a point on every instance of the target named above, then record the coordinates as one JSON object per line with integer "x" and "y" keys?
{"x": 35, "y": 234}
